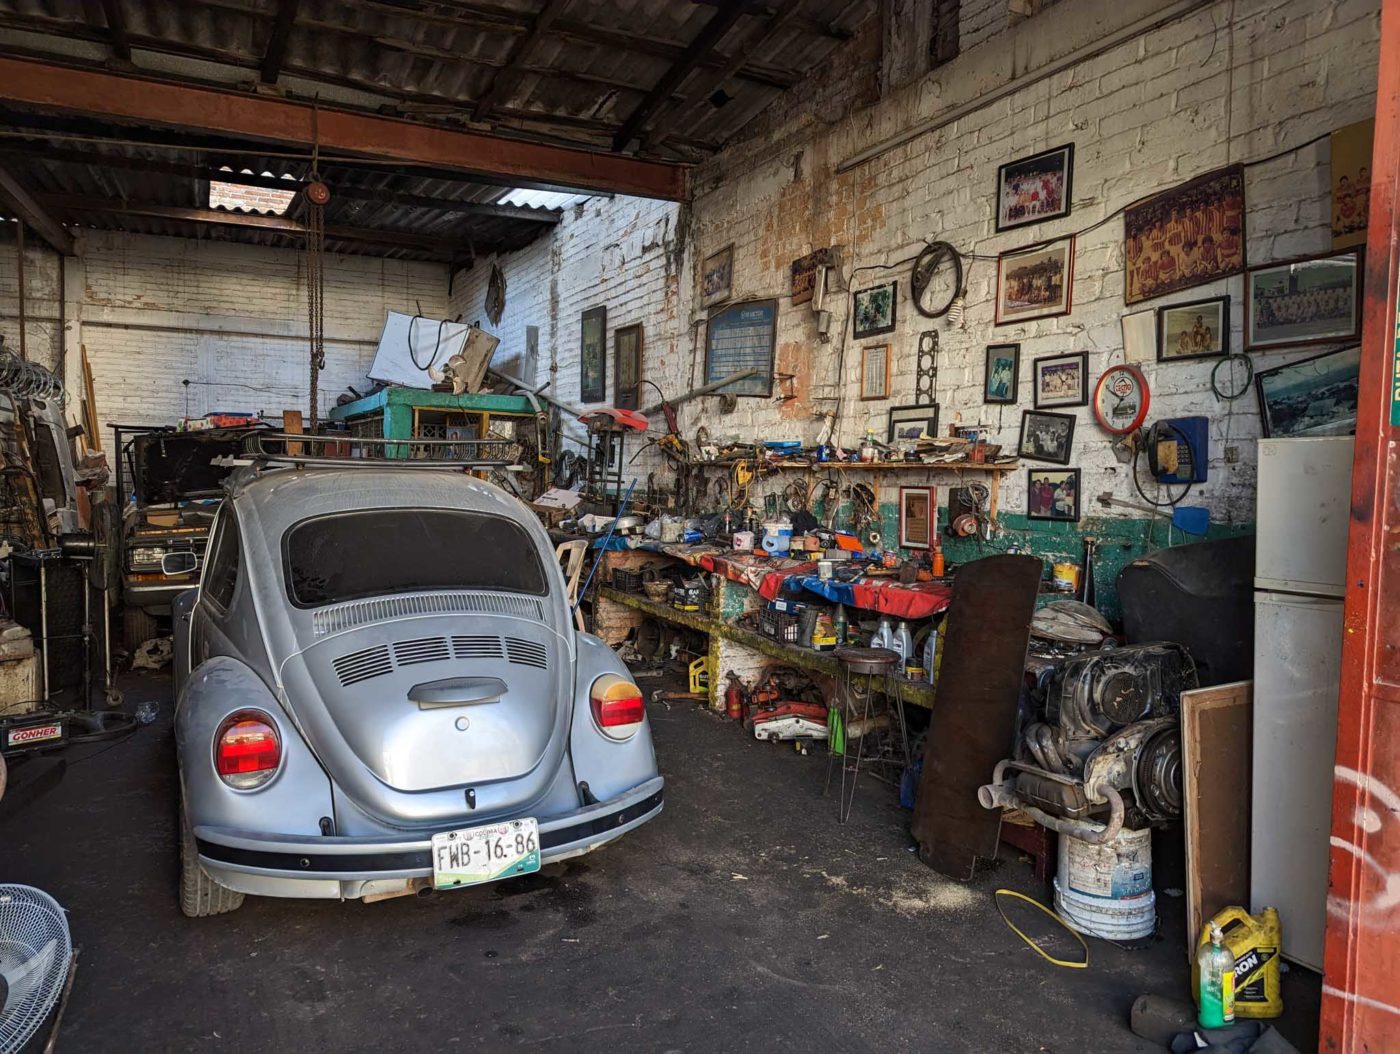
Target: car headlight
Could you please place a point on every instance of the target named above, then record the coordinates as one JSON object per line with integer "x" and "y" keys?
{"x": 147, "y": 556}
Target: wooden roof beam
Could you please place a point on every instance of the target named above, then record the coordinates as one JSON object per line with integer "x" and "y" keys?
{"x": 508, "y": 75}
{"x": 219, "y": 111}
{"x": 29, "y": 211}
{"x": 276, "y": 51}
{"x": 695, "y": 53}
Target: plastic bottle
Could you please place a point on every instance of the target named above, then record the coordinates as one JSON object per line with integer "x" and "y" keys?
{"x": 1217, "y": 981}
{"x": 904, "y": 642}
{"x": 884, "y": 635}
{"x": 930, "y": 652}
{"x": 840, "y": 624}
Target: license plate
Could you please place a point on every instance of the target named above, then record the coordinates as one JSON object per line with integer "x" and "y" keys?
{"x": 485, "y": 854}
{"x": 17, "y": 737}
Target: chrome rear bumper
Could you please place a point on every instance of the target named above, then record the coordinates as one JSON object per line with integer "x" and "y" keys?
{"x": 348, "y": 868}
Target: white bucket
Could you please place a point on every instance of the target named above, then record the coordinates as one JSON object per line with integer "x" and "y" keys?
{"x": 1106, "y": 890}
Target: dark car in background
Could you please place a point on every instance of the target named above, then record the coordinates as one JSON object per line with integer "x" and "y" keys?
{"x": 168, "y": 489}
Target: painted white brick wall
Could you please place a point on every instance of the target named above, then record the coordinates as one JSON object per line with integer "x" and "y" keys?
{"x": 1187, "y": 98}
{"x": 231, "y": 319}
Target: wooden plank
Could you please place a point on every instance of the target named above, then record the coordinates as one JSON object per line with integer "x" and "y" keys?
{"x": 1217, "y": 734}
{"x": 94, "y": 434}
{"x": 292, "y": 424}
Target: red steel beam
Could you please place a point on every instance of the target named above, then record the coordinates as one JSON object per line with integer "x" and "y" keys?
{"x": 1361, "y": 957}
{"x": 223, "y": 112}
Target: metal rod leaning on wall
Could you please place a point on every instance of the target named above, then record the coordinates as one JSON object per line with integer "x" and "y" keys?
{"x": 695, "y": 393}
{"x": 19, "y": 278}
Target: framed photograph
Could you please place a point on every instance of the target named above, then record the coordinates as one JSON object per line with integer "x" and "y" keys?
{"x": 1046, "y": 437}
{"x": 1035, "y": 282}
{"x": 717, "y": 277}
{"x": 1311, "y": 397}
{"x": 1052, "y": 494}
{"x": 627, "y": 367}
{"x": 1061, "y": 380}
{"x": 875, "y": 371}
{"x": 1001, "y": 373}
{"x": 1198, "y": 330}
{"x": 1351, "y": 183}
{"x": 593, "y": 356}
{"x": 916, "y": 517}
{"x": 908, "y": 423}
{"x": 1186, "y": 236}
{"x": 1035, "y": 188}
{"x": 1309, "y": 301}
{"x": 874, "y": 311}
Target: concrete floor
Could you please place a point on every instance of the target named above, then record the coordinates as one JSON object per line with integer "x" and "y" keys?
{"x": 743, "y": 918}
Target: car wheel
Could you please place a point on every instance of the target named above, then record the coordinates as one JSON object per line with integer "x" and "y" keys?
{"x": 138, "y": 626}
{"x": 200, "y": 895}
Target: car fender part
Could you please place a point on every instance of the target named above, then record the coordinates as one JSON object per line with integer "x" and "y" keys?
{"x": 292, "y": 802}
{"x": 609, "y": 767}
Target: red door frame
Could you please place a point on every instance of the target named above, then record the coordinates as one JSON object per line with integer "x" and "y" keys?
{"x": 1361, "y": 979}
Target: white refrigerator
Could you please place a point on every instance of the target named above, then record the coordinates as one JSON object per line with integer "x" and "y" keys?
{"x": 1299, "y": 581}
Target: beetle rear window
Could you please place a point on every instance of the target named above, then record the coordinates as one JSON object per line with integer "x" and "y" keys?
{"x": 381, "y": 552}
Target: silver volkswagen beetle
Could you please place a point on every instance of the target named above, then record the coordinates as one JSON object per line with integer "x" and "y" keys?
{"x": 380, "y": 690}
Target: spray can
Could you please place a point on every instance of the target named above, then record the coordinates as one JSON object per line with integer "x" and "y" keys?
{"x": 840, "y": 625}
{"x": 1216, "y": 988}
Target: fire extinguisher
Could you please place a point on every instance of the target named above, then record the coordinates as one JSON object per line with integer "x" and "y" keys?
{"x": 734, "y": 697}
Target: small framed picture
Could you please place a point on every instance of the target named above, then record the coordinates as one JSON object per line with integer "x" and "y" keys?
{"x": 1197, "y": 330}
{"x": 717, "y": 277}
{"x": 1061, "y": 380}
{"x": 875, "y": 371}
{"x": 1001, "y": 373}
{"x": 908, "y": 423}
{"x": 874, "y": 311}
{"x": 1035, "y": 282}
{"x": 1052, "y": 494}
{"x": 1035, "y": 188}
{"x": 627, "y": 367}
{"x": 916, "y": 517}
{"x": 1310, "y": 397}
{"x": 1046, "y": 437}
{"x": 1309, "y": 301}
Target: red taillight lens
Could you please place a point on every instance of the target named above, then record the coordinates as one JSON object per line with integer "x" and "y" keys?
{"x": 247, "y": 750}
{"x": 618, "y": 707}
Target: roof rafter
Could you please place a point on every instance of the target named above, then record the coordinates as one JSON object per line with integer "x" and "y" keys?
{"x": 31, "y": 212}
{"x": 508, "y": 75}
{"x": 276, "y": 51}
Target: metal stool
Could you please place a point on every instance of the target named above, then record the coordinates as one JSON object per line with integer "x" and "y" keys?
{"x": 864, "y": 671}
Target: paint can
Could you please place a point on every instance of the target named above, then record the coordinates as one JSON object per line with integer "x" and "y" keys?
{"x": 825, "y": 569}
{"x": 743, "y": 541}
{"x": 1106, "y": 890}
{"x": 1064, "y": 578}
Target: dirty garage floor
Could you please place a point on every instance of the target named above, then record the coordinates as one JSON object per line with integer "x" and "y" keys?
{"x": 743, "y": 918}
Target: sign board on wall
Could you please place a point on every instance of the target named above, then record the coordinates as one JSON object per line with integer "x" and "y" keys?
{"x": 804, "y": 275}
{"x": 742, "y": 337}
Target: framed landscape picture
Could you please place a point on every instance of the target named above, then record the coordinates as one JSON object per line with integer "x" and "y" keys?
{"x": 1061, "y": 380}
{"x": 627, "y": 367}
{"x": 908, "y": 423}
{"x": 1315, "y": 300}
{"x": 1035, "y": 188}
{"x": 1198, "y": 330}
{"x": 593, "y": 356}
{"x": 1052, "y": 494}
{"x": 717, "y": 277}
{"x": 874, "y": 311}
{"x": 1001, "y": 373}
{"x": 1046, "y": 436}
{"x": 1035, "y": 282}
{"x": 1185, "y": 236}
{"x": 1311, "y": 397}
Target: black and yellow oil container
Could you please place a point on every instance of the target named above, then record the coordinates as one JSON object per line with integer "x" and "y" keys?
{"x": 1255, "y": 941}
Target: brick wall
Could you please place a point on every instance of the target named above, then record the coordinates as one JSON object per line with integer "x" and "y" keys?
{"x": 230, "y": 319}
{"x": 1193, "y": 95}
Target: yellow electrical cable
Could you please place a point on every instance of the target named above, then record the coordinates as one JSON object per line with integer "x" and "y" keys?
{"x": 1036, "y": 947}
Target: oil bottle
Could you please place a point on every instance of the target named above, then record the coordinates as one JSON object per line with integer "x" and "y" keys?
{"x": 1216, "y": 985}
{"x": 1255, "y": 942}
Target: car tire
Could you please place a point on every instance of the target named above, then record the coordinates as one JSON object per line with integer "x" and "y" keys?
{"x": 138, "y": 626}
{"x": 200, "y": 895}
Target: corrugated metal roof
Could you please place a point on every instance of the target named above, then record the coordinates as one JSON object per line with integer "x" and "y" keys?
{"x": 445, "y": 61}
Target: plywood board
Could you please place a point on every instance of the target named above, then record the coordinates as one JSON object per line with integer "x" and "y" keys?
{"x": 94, "y": 435}
{"x": 1217, "y": 731}
{"x": 293, "y": 425}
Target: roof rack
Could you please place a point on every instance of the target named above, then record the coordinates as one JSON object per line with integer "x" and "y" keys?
{"x": 342, "y": 451}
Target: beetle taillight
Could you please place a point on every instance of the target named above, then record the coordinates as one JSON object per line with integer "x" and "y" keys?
{"x": 247, "y": 750}
{"x": 618, "y": 707}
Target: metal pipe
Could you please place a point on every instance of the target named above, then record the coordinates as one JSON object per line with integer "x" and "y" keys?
{"x": 695, "y": 393}
{"x": 1084, "y": 830}
{"x": 19, "y": 278}
{"x": 44, "y": 615}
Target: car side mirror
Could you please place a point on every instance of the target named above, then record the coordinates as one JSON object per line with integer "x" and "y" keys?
{"x": 178, "y": 563}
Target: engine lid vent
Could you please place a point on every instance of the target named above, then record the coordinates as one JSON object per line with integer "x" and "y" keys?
{"x": 424, "y": 649}
{"x": 477, "y": 648}
{"x": 527, "y": 653}
{"x": 362, "y": 665}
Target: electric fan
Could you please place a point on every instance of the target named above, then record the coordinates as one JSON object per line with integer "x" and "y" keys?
{"x": 34, "y": 954}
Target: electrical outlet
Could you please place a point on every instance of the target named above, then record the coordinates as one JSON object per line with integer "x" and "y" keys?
{"x": 1232, "y": 455}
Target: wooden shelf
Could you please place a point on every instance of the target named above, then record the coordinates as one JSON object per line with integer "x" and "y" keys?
{"x": 866, "y": 466}
{"x": 822, "y": 662}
